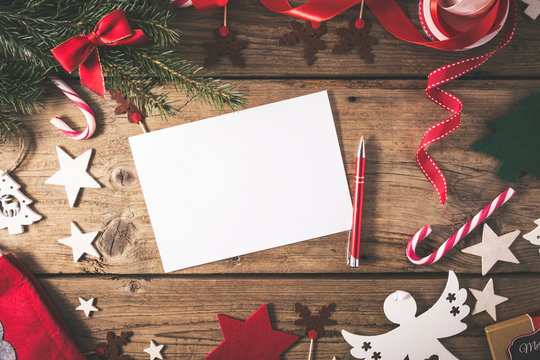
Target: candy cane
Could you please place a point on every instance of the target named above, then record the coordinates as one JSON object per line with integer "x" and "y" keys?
{"x": 82, "y": 105}
{"x": 460, "y": 234}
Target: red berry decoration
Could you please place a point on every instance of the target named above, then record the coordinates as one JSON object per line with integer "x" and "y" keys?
{"x": 313, "y": 334}
{"x": 316, "y": 24}
{"x": 224, "y": 31}
{"x": 359, "y": 23}
{"x": 136, "y": 117}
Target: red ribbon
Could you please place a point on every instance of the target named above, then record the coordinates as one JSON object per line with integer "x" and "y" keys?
{"x": 81, "y": 50}
{"x": 396, "y": 22}
{"x": 203, "y": 5}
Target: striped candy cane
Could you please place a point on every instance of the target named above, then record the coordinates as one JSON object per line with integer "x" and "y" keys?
{"x": 82, "y": 105}
{"x": 460, "y": 234}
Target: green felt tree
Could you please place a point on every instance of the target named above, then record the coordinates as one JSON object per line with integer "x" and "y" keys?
{"x": 517, "y": 140}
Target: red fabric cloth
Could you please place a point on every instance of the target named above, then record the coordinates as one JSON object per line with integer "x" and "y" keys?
{"x": 81, "y": 50}
{"x": 32, "y": 325}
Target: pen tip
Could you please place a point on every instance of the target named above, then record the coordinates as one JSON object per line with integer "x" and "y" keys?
{"x": 361, "y": 147}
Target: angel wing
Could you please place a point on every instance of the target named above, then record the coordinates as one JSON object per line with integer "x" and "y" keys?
{"x": 384, "y": 346}
{"x": 444, "y": 318}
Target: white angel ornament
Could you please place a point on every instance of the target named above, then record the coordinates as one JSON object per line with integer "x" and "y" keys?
{"x": 416, "y": 336}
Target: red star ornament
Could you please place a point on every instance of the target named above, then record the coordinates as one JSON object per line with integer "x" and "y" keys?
{"x": 251, "y": 339}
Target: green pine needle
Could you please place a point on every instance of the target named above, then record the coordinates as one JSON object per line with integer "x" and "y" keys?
{"x": 31, "y": 28}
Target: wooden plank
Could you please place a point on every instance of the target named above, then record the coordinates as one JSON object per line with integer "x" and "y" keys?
{"x": 393, "y": 57}
{"x": 399, "y": 200}
{"x": 181, "y": 312}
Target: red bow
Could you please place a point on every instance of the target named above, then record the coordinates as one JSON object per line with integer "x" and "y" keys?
{"x": 81, "y": 50}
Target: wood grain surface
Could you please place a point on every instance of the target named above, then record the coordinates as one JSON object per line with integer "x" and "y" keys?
{"x": 180, "y": 312}
{"x": 383, "y": 101}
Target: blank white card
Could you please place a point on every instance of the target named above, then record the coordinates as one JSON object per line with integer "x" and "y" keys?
{"x": 243, "y": 182}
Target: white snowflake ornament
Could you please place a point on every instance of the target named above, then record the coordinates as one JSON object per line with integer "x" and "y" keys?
{"x": 417, "y": 336}
{"x": 15, "y": 206}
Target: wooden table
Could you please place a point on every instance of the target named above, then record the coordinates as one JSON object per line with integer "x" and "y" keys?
{"x": 383, "y": 101}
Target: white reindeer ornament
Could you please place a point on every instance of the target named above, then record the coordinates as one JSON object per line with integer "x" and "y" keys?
{"x": 417, "y": 336}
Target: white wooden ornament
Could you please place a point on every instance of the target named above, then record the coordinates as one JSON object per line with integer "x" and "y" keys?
{"x": 494, "y": 248}
{"x": 15, "y": 211}
{"x": 534, "y": 236}
{"x": 416, "y": 336}
{"x": 87, "y": 306}
{"x": 154, "y": 351}
{"x": 487, "y": 300}
{"x": 533, "y": 10}
{"x": 80, "y": 243}
{"x": 72, "y": 174}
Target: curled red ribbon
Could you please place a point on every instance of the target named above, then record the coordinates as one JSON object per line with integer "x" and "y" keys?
{"x": 81, "y": 50}
{"x": 390, "y": 15}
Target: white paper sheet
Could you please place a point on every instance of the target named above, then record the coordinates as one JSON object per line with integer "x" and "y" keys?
{"x": 244, "y": 182}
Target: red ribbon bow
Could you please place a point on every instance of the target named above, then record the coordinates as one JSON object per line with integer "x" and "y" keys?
{"x": 81, "y": 50}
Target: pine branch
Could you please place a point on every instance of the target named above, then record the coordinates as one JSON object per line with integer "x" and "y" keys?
{"x": 31, "y": 28}
{"x": 185, "y": 77}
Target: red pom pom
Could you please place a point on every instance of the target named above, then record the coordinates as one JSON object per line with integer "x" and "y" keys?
{"x": 223, "y": 31}
{"x": 136, "y": 117}
{"x": 359, "y": 23}
{"x": 313, "y": 334}
{"x": 100, "y": 351}
{"x": 316, "y": 24}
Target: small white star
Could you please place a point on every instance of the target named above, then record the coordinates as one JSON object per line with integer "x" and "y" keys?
{"x": 154, "y": 351}
{"x": 80, "y": 243}
{"x": 87, "y": 306}
{"x": 487, "y": 300}
{"x": 493, "y": 248}
{"x": 72, "y": 174}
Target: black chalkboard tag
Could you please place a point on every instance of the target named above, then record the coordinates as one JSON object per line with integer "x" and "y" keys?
{"x": 525, "y": 347}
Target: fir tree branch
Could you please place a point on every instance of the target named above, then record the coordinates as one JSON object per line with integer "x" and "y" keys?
{"x": 31, "y": 28}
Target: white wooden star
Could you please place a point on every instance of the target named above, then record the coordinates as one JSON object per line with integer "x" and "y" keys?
{"x": 493, "y": 248}
{"x": 154, "y": 351}
{"x": 80, "y": 243}
{"x": 87, "y": 306}
{"x": 72, "y": 174}
{"x": 533, "y": 10}
{"x": 487, "y": 300}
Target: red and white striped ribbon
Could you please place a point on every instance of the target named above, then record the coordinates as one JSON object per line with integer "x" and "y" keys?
{"x": 82, "y": 105}
{"x": 460, "y": 234}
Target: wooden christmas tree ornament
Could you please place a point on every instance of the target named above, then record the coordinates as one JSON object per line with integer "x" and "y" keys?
{"x": 15, "y": 206}
{"x": 15, "y": 211}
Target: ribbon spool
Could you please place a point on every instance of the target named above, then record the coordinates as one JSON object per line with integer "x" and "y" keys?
{"x": 457, "y": 17}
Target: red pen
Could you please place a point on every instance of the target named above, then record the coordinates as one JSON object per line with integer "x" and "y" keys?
{"x": 353, "y": 248}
